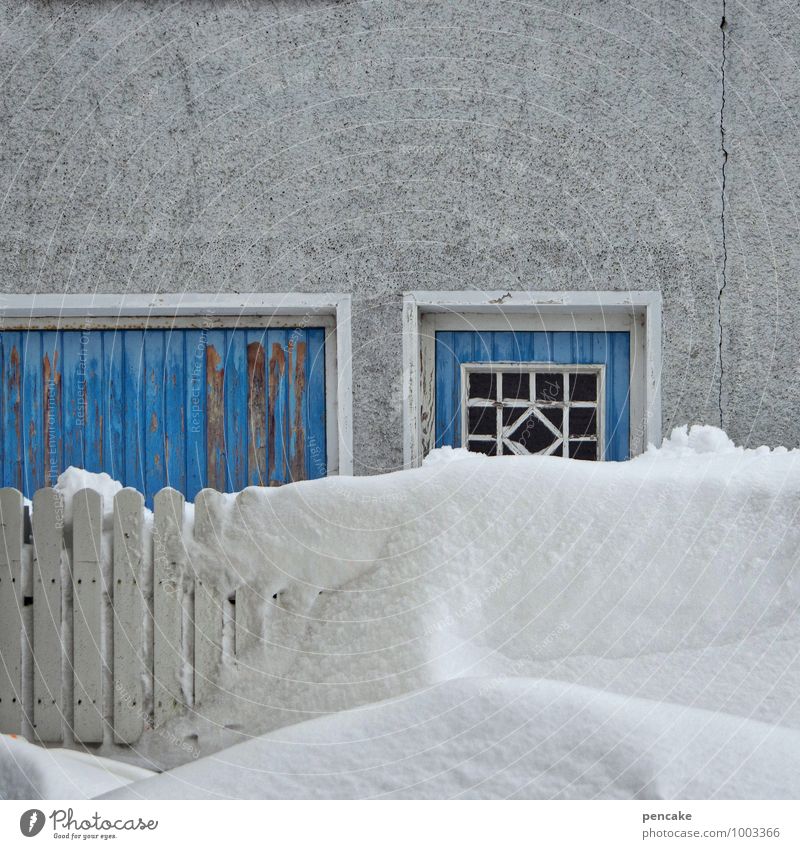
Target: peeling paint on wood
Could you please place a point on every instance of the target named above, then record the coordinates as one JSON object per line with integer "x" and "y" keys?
{"x": 277, "y": 368}
{"x": 215, "y": 419}
{"x": 298, "y": 440}
{"x": 256, "y": 414}
{"x": 224, "y": 407}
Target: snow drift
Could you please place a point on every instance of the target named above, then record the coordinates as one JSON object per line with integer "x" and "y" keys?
{"x": 622, "y": 601}
{"x": 672, "y": 577}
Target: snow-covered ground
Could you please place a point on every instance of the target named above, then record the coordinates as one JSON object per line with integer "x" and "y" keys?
{"x": 509, "y": 626}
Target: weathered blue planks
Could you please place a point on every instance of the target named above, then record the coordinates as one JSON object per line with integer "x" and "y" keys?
{"x": 611, "y": 349}
{"x": 185, "y": 408}
{"x": 314, "y": 420}
{"x": 174, "y": 410}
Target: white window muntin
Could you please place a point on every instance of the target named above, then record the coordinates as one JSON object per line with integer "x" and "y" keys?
{"x": 533, "y": 405}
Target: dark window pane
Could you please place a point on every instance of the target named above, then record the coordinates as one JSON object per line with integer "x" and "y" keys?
{"x": 555, "y": 417}
{"x": 583, "y": 387}
{"x": 482, "y": 385}
{"x": 511, "y": 414}
{"x": 533, "y": 434}
{"x": 549, "y": 387}
{"x": 482, "y": 447}
{"x": 582, "y": 421}
{"x": 482, "y": 420}
{"x": 583, "y": 450}
{"x": 516, "y": 385}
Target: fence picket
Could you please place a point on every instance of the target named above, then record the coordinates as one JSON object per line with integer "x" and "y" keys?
{"x": 48, "y": 648}
{"x": 11, "y": 604}
{"x": 208, "y": 611}
{"x": 87, "y": 585}
{"x": 208, "y": 622}
{"x": 167, "y": 610}
{"x": 128, "y": 616}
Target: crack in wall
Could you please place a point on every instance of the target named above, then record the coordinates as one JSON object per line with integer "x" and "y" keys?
{"x": 723, "y": 28}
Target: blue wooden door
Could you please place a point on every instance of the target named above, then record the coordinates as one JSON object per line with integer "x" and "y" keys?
{"x": 188, "y": 408}
{"x": 611, "y": 350}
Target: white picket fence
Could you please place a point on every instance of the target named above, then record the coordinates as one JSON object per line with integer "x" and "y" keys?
{"x": 98, "y": 645}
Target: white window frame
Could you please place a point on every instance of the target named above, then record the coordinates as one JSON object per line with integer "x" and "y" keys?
{"x": 331, "y": 310}
{"x": 499, "y": 366}
{"x": 426, "y": 312}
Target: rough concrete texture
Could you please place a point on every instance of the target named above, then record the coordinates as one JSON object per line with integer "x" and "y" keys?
{"x": 383, "y": 146}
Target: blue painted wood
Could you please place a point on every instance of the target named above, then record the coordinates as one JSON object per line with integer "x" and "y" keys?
{"x": 444, "y": 358}
{"x": 257, "y": 407}
{"x": 114, "y": 422}
{"x": 236, "y": 409}
{"x": 52, "y": 388}
{"x": 315, "y": 425}
{"x": 611, "y": 349}
{"x": 133, "y": 349}
{"x": 95, "y": 396}
{"x": 195, "y": 409}
{"x": 277, "y": 417}
{"x": 32, "y": 413}
{"x": 12, "y": 409}
{"x": 73, "y": 406}
{"x": 163, "y": 407}
{"x": 154, "y": 468}
{"x": 174, "y": 410}
{"x": 217, "y": 474}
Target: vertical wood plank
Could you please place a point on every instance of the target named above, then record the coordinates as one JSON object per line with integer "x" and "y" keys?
{"x": 154, "y": 413}
{"x": 208, "y": 609}
{"x": 73, "y": 408}
{"x": 444, "y": 375}
{"x": 33, "y": 456}
{"x": 208, "y": 621}
{"x": 248, "y": 625}
{"x": 51, "y": 418}
{"x": 133, "y": 393}
{"x": 47, "y": 520}
{"x": 11, "y": 603}
{"x": 216, "y": 473}
{"x": 167, "y": 612}
{"x": 175, "y": 411}
{"x": 195, "y": 371}
{"x": 96, "y": 393}
{"x": 618, "y": 375}
{"x": 87, "y": 518}
{"x": 464, "y": 344}
{"x": 12, "y": 431}
{"x": 236, "y": 410}
{"x": 256, "y": 409}
{"x": 277, "y": 407}
{"x": 315, "y": 423}
{"x": 129, "y": 605}
{"x": 297, "y": 365}
{"x": 114, "y": 418}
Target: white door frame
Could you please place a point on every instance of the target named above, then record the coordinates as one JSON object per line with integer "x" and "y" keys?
{"x": 332, "y": 310}
{"x": 426, "y": 312}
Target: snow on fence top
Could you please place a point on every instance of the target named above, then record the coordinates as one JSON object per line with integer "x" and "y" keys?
{"x": 246, "y": 612}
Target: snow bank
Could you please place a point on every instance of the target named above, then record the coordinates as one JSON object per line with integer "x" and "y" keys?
{"x": 646, "y": 601}
{"x": 672, "y": 576}
{"x": 499, "y": 738}
{"x": 28, "y": 771}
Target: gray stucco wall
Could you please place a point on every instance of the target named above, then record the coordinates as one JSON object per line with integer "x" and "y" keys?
{"x": 382, "y": 146}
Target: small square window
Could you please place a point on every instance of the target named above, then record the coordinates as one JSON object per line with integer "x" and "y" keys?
{"x": 537, "y": 415}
